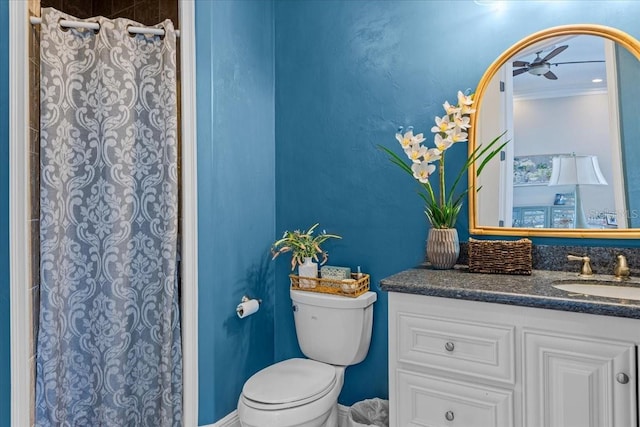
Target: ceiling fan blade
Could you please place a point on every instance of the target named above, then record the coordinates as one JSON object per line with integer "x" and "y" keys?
{"x": 519, "y": 71}
{"x": 550, "y": 75}
{"x": 520, "y": 64}
{"x": 554, "y": 52}
{"x": 576, "y": 62}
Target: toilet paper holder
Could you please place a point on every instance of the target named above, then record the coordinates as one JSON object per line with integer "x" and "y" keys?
{"x": 245, "y": 298}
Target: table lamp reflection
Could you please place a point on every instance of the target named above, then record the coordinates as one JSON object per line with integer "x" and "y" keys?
{"x": 577, "y": 171}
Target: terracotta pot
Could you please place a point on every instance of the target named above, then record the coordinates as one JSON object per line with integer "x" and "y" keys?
{"x": 443, "y": 248}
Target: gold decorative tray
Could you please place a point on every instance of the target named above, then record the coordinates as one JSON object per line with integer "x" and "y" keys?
{"x": 347, "y": 287}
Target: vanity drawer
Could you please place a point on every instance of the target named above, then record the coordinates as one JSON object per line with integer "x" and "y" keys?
{"x": 475, "y": 349}
{"x": 425, "y": 400}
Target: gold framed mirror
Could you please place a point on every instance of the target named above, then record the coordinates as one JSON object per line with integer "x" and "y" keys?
{"x": 569, "y": 99}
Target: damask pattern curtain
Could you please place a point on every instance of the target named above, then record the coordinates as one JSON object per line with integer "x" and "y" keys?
{"x": 109, "y": 347}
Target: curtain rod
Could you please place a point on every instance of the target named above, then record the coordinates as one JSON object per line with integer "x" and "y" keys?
{"x": 95, "y": 26}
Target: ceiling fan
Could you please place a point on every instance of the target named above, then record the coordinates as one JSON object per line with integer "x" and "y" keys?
{"x": 541, "y": 66}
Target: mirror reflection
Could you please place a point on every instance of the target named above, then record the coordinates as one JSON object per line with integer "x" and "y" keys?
{"x": 570, "y": 105}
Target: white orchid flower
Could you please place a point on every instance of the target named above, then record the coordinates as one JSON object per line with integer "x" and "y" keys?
{"x": 418, "y": 139}
{"x": 407, "y": 139}
{"x": 443, "y": 124}
{"x": 457, "y": 135}
{"x": 450, "y": 109}
{"x": 415, "y": 152}
{"x": 465, "y": 103}
{"x": 463, "y": 122}
{"x": 422, "y": 171}
{"x": 466, "y": 110}
{"x": 432, "y": 155}
{"x": 464, "y": 99}
{"x": 443, "y": 143}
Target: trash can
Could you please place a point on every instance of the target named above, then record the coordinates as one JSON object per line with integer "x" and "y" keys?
{"x": 370, "y": 412}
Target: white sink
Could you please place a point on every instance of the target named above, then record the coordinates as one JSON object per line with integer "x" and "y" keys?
{"x": 609, "y": 291}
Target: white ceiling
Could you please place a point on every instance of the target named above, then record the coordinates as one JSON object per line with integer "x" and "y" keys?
{"x": 572, "y": 78}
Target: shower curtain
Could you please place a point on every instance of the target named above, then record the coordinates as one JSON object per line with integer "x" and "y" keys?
{"x": 108, "y": 348}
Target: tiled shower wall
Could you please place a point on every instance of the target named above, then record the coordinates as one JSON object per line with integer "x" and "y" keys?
{"x": 147, "y": 12}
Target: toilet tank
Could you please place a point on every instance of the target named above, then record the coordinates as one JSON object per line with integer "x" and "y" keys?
{"x": 333, "y": 329}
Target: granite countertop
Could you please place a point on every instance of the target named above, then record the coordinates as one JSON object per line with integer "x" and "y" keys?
{"x": 535, "y": 290}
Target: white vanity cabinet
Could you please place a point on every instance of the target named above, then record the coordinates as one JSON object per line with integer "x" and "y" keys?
{"x": 578, "y": 381}
{"x": 475, "y": 364}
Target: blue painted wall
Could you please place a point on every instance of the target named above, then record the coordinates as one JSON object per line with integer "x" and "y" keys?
{"x": 236, "y": 196}
{"x": 348, "y": 73}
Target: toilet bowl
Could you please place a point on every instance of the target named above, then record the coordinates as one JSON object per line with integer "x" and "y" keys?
{"x": 333, "y": 332}
{"x": 292, "y": 393}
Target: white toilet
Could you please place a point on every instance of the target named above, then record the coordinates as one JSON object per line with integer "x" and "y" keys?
{"x": 333, "y": 332}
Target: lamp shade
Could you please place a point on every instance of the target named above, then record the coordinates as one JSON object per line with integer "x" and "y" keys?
{"x": 576, "y": 170}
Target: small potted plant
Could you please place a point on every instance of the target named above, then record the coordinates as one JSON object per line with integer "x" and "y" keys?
{"x": 305, "y": 248}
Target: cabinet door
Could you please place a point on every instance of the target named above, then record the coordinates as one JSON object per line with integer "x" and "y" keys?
{"x": 572, "y": 381}
{"x": 432, "y": 401}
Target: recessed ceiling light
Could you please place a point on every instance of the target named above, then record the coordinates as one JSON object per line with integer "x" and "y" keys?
{"x": 596, "y": 81}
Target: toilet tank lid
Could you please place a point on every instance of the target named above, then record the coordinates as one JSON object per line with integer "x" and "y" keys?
{"x": 333, "y": 301}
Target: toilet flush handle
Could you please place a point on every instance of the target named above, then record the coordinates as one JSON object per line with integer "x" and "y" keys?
{"x": 294, "y": 308}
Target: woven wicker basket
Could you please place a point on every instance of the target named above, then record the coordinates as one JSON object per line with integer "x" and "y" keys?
{"x": 500, "y": 256}
{"x": 353, "y": 288}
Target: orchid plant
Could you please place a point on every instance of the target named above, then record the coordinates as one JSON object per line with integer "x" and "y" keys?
{"x": 442, "y": 209}
{"x": 302, "y": 244}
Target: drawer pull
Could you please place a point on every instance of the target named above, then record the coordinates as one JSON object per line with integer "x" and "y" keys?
{"x": 449, "y": 346}
{"x": 622, "y": 378}
{"x": 449, "y": 415}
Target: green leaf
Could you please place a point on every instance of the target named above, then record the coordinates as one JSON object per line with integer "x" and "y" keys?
{"x": 489, "y": 157}
{"x": 395, "y": 159}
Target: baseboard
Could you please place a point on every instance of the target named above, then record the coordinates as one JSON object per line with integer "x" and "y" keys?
{"x": 232, "y": 420}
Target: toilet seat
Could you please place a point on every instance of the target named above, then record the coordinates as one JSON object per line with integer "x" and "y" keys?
{"x": 288, "y": 384}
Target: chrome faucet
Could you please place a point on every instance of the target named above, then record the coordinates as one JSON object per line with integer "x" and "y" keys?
{"x": 621, "y": 270}
{"x": 585, "y": 270}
